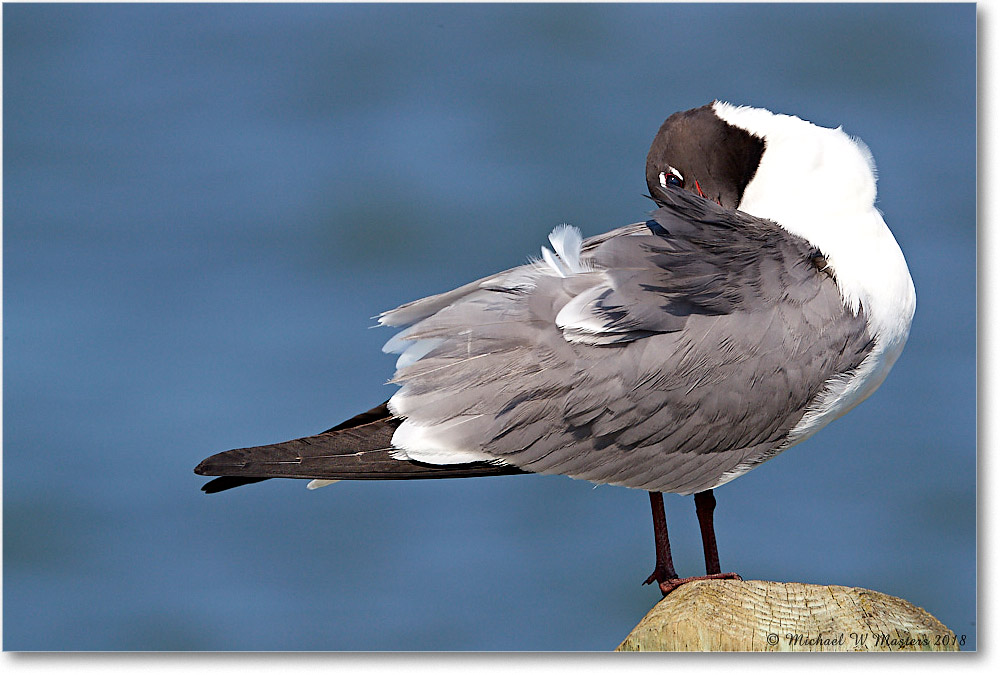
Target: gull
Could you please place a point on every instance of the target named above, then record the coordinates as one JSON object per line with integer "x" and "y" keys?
{"x": 762, "y": 299}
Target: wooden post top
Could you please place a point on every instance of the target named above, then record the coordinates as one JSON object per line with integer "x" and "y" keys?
{"x": 771, "y": 616}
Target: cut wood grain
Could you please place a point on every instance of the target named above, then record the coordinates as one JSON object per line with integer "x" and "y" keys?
{"x": 772, "y": 616}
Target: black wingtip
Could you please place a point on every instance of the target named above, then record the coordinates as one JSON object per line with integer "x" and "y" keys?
{"x": 201, "y": 469}
{"x": 211, "y": 467}
{"x": 227, "y": 483}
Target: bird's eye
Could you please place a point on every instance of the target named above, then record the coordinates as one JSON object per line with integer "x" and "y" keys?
{"x": 671, "y": 177}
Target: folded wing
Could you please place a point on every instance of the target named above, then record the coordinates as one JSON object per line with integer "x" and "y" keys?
{"x": 675, "y": 357}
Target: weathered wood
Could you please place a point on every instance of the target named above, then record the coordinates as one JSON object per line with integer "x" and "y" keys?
{"x": 770, "y": 616}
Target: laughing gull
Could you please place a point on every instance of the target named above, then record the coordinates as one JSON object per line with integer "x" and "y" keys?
{"x": 763, "y": 298}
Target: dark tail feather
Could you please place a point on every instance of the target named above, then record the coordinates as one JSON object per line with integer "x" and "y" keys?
{"x": 357, "y": 449}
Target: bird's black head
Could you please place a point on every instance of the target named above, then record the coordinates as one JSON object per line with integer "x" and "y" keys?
{"x": 697, "y": 151}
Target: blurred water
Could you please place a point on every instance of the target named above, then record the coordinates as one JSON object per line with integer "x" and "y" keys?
{"x": 205, "y": 205}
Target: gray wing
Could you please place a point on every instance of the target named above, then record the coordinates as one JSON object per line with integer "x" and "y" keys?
{"x": 678, "y": 355}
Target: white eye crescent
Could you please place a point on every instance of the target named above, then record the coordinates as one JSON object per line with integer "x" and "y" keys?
{"x": 671, "y": 177}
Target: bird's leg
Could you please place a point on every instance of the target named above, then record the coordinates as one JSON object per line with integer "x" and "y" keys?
{"x": 664, "y": 573}
{"x": 704, "y": 506}
{"x": 664, "y": 570}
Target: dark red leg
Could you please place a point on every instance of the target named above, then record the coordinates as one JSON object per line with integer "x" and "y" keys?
{"x": 664, "y": 569}
{"x": 664, "y": 573}
{"x": 704, "y": 506}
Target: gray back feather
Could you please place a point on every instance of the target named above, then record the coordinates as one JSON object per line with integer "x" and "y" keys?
{"x": 683, "y": 357}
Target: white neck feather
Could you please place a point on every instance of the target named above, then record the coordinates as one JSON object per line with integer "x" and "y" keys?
{"x": 819, "y": 184}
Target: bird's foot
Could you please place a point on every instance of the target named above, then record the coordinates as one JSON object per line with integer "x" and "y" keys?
{"x": 669, "y": 585}
{"x": 660, "y": 574}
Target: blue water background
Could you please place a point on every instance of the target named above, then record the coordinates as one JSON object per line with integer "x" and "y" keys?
{"x": 204, "y": 206}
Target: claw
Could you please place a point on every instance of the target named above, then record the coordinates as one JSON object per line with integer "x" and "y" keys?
{"x": 658, "y": 577}
{"x": 669, "y": 585}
